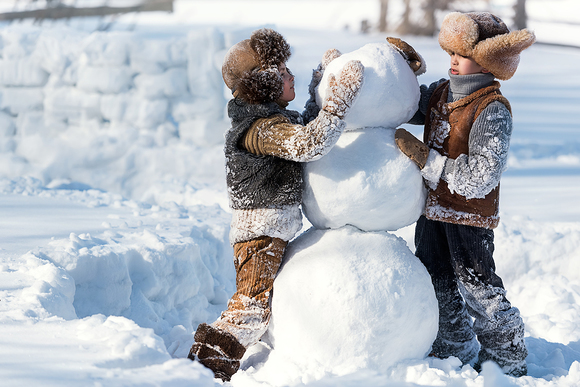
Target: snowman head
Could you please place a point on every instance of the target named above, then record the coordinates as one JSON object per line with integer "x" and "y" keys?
{"x": 390, "y": 93}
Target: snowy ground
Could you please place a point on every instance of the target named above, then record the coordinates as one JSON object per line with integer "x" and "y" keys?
{"x": 113, "y": 242}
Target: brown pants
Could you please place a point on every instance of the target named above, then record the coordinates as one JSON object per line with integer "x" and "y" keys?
{"x": 257, "y": 262}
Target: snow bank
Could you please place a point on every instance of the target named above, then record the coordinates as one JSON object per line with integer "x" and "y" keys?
{"x": 158, "y": 267}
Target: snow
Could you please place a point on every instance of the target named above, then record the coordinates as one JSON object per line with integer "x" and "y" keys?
{"x": 114, "y": 214}
{"x": 385, "y": 86}
{"x": 349, "y": 185}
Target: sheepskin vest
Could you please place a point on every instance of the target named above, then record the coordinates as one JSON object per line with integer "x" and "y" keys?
{"x": 447, "y": 128}
{"x": 259, "y": 181}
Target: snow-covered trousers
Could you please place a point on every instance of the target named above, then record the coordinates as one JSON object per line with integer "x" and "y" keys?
{"x": 460, "y": 261}
{"x": 257, "y": 262}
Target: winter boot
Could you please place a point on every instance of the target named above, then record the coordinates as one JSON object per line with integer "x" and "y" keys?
{"x": 221, "y": 345}
{"x": 257, "y": 262}
{"x": 217, "y": 350}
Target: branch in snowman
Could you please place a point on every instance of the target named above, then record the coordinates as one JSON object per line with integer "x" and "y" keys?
{"x": 311, "y": 109}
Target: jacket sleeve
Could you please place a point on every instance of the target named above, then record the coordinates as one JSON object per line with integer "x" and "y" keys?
{"x": 277, "y": 136}
{"x": 426, "y": 93}
{"x": 474, "y": 175}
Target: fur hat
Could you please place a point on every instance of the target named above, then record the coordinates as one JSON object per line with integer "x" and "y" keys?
{"x": 250, "y": 68}
{"x": 486, "y": 39}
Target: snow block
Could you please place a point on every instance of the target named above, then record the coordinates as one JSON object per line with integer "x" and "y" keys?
{"x": 168, "y": 84}
{"x": 22, "y": 72}
{"x": 71, "y": 104}
{"x": 18, "y": 100}
{"x": 104, "y": 79}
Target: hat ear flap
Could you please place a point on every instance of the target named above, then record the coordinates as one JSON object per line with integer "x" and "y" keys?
{"x": 501, "y": 53}
{"x": 260, "y": 86}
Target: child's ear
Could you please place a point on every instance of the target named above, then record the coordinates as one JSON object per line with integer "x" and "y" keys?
{"x": 485, "y": 71}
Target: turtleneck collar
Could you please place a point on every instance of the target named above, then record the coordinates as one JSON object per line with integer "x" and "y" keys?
{"x": 460, "y": 86}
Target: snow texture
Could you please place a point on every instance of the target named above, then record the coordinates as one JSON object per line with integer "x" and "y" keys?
{"x": 348, "y": 273}
{"x": 148, "y": 203}
{"x": 365, "y": 181}
{"x": 336, "y": 282}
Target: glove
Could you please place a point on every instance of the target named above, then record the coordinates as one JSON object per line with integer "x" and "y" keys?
{"x": 416, "y": 150}
{"x": 343, "y": 91}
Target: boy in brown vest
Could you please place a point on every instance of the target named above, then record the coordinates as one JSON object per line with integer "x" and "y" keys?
{"x": 468, "y": 125}
{"x": 264, "y": 150}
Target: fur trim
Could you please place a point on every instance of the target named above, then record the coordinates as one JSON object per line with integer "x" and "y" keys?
{"x": 271, "y": 47}
{"x": 260, "y": 86}
{"x": 282, "y": 223}
{"x": 501, "y": 54}
{"x": 250, "y": 68}
{"x": 458, "y": 34}
{"x": 486, "y": 39}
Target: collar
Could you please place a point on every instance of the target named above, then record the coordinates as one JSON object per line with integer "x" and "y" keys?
{"x": 460, "y": 86}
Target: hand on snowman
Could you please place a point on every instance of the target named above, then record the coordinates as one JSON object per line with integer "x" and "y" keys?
{"x": 318, "y": 72}
{"x": 343, "y": 91}
{"x": 416, "y": 150}
{"x": 311, "y": 109}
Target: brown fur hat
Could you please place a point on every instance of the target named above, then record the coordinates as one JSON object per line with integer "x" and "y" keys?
{"x": 486, "y": 39}
{"x": 250, "y": 68}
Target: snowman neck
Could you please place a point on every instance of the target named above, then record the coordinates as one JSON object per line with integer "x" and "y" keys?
{"x": 460, "y": 86}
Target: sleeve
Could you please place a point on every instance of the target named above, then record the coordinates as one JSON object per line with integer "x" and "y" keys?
{"x": 474, "y": 175}
{"x": 311, "y": 109}
{"x": 426, "y": 93}
{"x": 277, "y": 136}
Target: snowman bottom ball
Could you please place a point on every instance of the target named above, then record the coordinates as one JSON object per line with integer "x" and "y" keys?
{"x": 346, "y": 300}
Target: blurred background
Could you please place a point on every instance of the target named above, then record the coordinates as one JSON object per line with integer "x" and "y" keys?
{"x": 403, "y": 17}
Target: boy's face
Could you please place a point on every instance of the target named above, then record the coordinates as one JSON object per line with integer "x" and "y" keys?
{"x": 289, "y": 93}
{"x": 464, "y": 65}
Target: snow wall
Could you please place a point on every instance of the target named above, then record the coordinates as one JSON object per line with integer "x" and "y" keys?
{"x": 52, "y": 78}
{"x": 128, "y": 97}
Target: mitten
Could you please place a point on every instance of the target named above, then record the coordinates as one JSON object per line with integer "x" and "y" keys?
{"x": 317, "y": 73}
{"x": 343, "y": 91}
{"x": 311, "y": 108}
{"x": 416, "y": 150}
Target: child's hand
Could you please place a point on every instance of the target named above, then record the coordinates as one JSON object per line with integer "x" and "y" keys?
{"x": 412, "y": 147}
{"x": 327, "y": 57}
{"x": 343, "y": 91}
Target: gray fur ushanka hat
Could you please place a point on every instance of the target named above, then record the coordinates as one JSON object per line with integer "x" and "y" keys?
{"x": 486, "y": 39}
{"x": 250, "y": 68}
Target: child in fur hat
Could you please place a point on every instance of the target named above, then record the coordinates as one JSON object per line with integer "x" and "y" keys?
{"x": 468, "y": 125}
{"x": 264, "y": 150}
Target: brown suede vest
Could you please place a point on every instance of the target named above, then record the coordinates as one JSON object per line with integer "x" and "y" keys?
{"x": 447, "y": 128}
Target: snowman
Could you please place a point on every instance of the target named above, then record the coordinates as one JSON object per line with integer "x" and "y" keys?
{"x": 350, "y": 294}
